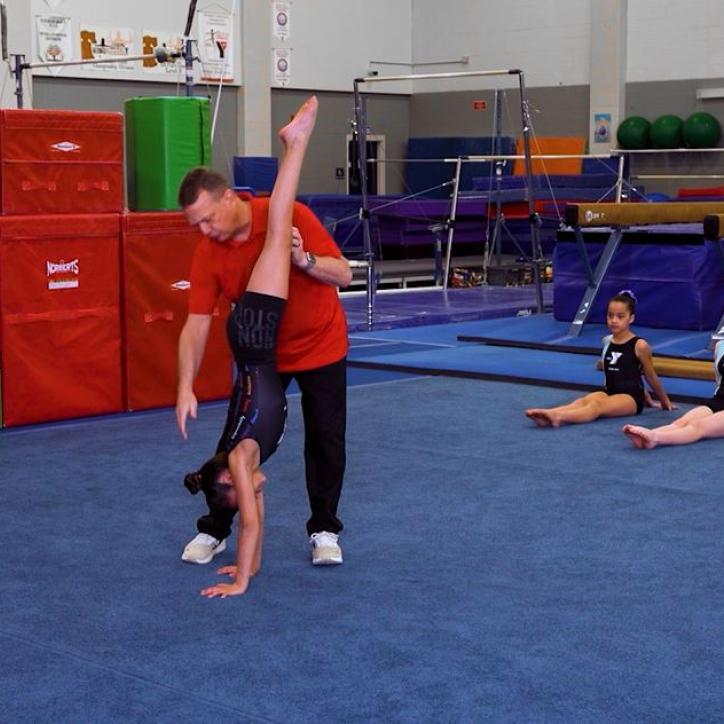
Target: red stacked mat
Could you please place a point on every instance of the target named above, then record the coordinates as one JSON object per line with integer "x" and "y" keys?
{"x": 61, "y": 162}
{"x": 60, "y": 328}
{"x": 157, "y": 252}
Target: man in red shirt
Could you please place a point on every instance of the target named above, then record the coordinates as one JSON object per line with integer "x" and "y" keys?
{"x": 311, "y": 346}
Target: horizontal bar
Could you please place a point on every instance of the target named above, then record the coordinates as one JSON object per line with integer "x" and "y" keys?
{"x": 677, "y": 175}
{"x": 95, "y": 61}
{"x": 624, "y": 152}
{"x": 427, "y": 76}
{"x": 477, "y": 159}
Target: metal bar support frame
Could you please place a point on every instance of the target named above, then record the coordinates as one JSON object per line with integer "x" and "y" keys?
{"x": 360, "y": 134}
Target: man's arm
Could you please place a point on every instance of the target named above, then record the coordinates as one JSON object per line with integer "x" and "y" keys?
{"x": 331, "y": 270}
{"x": 191, "y": 346}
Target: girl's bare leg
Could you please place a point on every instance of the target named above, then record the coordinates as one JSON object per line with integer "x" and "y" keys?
{"x": 271, "y": 271}
{"x": 697, "y": 424}
{"x": 584, "y": 409}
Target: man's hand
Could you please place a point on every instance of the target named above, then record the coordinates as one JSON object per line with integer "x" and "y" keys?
{"x": 186, "y": 404}
{"x": 299, "y": 255}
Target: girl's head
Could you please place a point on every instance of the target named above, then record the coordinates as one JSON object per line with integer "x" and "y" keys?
{"x": 214, "y": 480}
{"x": 621, "y": 311}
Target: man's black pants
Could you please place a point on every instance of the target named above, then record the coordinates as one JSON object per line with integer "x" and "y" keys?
{"x": 324, "y": 406}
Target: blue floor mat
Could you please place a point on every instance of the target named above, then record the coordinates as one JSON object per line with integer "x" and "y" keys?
{"x": 546, "y": 330}
{"x": 400, "y": 351}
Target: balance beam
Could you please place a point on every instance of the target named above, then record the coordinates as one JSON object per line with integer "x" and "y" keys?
{"x": 640, "y": 214}
{"x": 618, "y": 216}
{"x": 676, "y": 367}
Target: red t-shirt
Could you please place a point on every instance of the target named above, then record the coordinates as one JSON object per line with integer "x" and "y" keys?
{"x": 313, "y": 330}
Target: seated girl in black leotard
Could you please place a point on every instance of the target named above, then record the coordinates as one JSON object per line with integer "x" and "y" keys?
{"x": 705, "y": 421}
{"x": 625, "y": 358}
{"x": 257, "y": 410}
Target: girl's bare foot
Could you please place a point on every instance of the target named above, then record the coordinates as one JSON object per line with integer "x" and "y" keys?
{"x": 641, "y": 437}
{"x": 542, "y": 418}
{"x": 300, "y": 128}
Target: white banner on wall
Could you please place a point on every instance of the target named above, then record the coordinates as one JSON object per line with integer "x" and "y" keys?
{"x": 216, "y": 47}
{"x": 280, "y": 19}
{"x": 152, "y": 39}
{"x": 54, "y": 42}
{"x": 98, "y": 42}
{"x": 282, "y": 66}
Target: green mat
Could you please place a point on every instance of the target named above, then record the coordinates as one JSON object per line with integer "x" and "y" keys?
{"x": 165, "y": 137}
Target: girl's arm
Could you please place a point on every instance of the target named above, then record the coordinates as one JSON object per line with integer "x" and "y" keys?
{"x": 643, "y": 352}
{"x": 249, "y": 530}
{"x": 248, "y": 536}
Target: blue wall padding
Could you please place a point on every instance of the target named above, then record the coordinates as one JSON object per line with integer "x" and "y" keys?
{"x": 677, "y": 287}
{"x": 421, "y": 176}
{"x": 607, "y": 166}
{"x": 256, "y": 172}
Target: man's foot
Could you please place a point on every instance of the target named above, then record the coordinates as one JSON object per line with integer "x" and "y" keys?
{"x": 202, "y": 549}
{"x": 301, "y": 126}
{"x": 641, "y": 437}
{"x": 325, "y": 549}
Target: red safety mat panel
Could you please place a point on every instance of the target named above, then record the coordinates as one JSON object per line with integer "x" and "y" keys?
{"x": 157, "y": 253}
{"x": 61, "y": 162}
{"x": 60, "y": 329}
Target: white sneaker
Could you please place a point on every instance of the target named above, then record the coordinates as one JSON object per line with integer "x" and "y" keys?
{"x": 325, "y": 549}
{"x": 202, "y": 549}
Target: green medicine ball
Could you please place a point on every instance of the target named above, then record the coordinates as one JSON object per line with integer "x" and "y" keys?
{"x": 633, "y": 133}
{"x": 701, "y": 130}
{"x": 666, "y": 132}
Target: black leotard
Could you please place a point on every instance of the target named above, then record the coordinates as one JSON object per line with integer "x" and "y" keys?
{"x": 623, "y": 370}
{"x": 258, "y": 406}
{"x": 716, "y": 404}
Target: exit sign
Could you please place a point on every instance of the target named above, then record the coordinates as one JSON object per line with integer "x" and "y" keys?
{"x": 480, "y": 105}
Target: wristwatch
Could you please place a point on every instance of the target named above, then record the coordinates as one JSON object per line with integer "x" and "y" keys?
{"x": 311, "y": 260}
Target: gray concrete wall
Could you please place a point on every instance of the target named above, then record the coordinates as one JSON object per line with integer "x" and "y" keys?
{"x": 554, "y": 111}
{"x": 97, "y": 95}
{"x": 387, "y": 115}
{"x": 652, "y": 100}
{"x": 557, "y": 111}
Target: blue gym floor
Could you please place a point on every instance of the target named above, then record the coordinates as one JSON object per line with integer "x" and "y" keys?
{"x": 494, "y": 571}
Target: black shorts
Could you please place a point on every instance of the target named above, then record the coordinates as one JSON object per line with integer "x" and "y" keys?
{"x": 639, "y": 397}
{"x": 716, "y": 404}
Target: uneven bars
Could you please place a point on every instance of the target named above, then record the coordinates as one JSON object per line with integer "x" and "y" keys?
{"x": 426, "y": 76}
{"x": 478, "y": 159}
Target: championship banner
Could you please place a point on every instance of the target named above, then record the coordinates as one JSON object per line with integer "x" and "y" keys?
{"x": 152, "y": 39}
{"x": 216, "y": 48}
{"x": 280, "y": 19}
{"x": 282, "y": 65}
{"x": 54, "y": 43}
{"x": 98, "y": 42}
